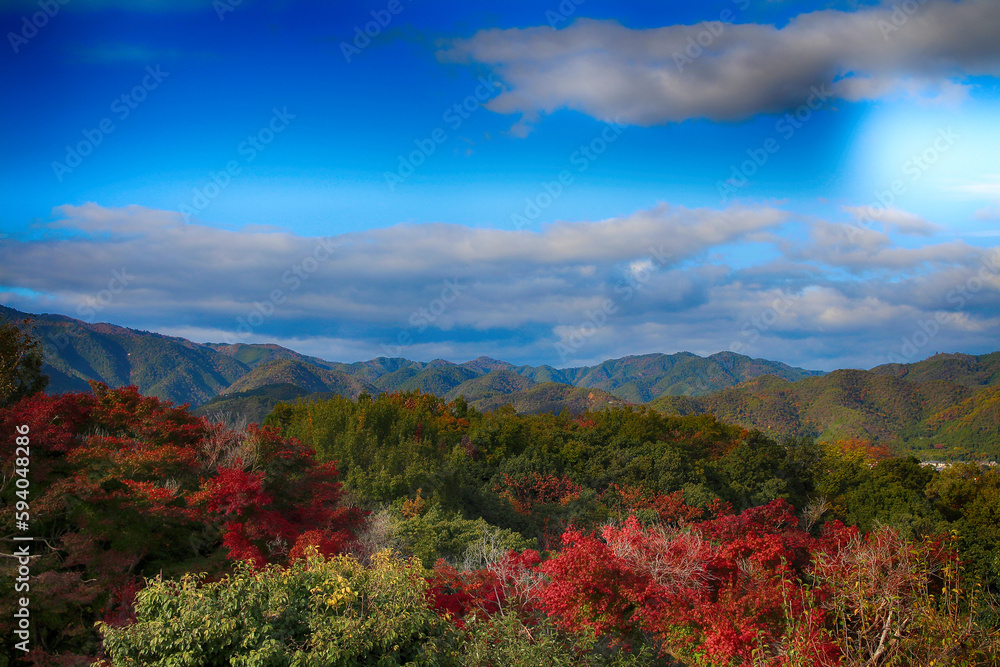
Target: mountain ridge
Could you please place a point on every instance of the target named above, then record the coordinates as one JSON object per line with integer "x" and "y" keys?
{"x": 184, "y": 371}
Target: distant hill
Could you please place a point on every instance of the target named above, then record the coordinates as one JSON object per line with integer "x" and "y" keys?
{"x": 550, "y": 397}
{"x": 252, "y": 406}
{"x": 488, "y": 365}
{"x": 171, "y": 368}
{"x": 965, "y": 369}
{"x": 496, "y": 383}
{"x": 300, "y": 374}
{"x": 255, "y": 355}
{"x": 640, "y": 379}
{"x": 906, "y": 406}
{"x": 435, "y": 379}
{"x": 946, "y": 401}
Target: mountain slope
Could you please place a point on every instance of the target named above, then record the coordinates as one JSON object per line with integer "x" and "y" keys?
{"x": 184, "y": 371}
{"x": 550, "y": 397}
{"x": 254, "y": 355}
{"x": 253, "y": 405}
{"x": 965, "y": 369}
{"x": 487, "y": 365}
{"x": 300, "y": 374}
{"x": 869, "y": 405}
{"x": 640, "y": 379}
{"x": 171, "y": 368}
{"x": 434, "y": 378}
{"x": 497, "y": 383}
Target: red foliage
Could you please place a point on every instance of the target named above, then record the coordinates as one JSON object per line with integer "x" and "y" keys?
{"x": 730, "y": 587}
{"x": 458, "y": 594}
{"x": 526, "y": 492}
{"x": 671, "y": 508}
{"x": 54, "y": 421}
{"x": 120, "y": 608}
{"x": 123, "y": 484}
{"x": 507, "y": 584}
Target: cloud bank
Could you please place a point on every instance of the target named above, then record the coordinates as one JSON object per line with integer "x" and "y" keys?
{"x": 664, "y": 279}
{"x": 728, "y": 70}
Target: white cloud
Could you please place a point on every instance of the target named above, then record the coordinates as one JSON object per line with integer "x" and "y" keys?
{"x": 902, "y": 221}
{"x": 653, "y": 76}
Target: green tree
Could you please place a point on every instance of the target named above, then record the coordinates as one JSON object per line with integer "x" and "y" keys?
{"x": 20, "y": 362}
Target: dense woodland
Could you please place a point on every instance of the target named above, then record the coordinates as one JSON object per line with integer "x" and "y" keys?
{"x": 406, "y": 528}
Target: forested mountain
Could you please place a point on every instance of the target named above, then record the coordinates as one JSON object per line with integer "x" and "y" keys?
{"x": 965, "y": 369}
{"x": 301, "y": 374}
{"x": 163, "y": 366}
{"x": 550, "y": 397}
{"x": 904, "y": 407}
{"x": 254, "y": 405}
{"x": 495, "y": 383}
{"x": 639, "y": 379}
{"x": 186, "y": 372}
{"x": 255, "y": 355}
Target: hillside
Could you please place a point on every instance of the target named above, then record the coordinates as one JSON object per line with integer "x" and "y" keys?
{"x": 550, "y": 397}
{"x": 876, "y": 405}
{"x": 965, "y": 369}
{"x": 166, "y": 367}
{"x": 497, "y": 383}
{"x": 253, "y": 405}
{"x": 434, "y": 379}
{"x": 641, "y": 379}
{"x": 255, "y": 355}
{"x": 300, "y": 374}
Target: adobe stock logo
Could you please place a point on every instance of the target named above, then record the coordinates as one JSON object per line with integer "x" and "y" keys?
{"x": 381, "y": 18}
{"x": 122, "y": 107}
{"x": 31, "y": 26}
{"x": 249, "y": 149}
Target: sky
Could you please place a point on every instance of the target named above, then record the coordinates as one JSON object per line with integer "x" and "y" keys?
{"x": 548, "y": 182}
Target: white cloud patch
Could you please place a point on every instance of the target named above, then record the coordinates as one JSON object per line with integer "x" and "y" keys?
{"x": 901, "y": 221}
{"x": 738, "y": 70}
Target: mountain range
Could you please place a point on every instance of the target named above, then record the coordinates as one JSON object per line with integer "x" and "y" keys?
{"x": 948, "y": 401}
{"x": 183, "y": 371}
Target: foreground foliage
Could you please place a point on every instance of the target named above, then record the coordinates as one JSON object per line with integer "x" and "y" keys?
{"x": 123, "y": 487}
{"x": 747, "y": 589}
{"x": 328, "y": 612}
{"x": 618, "y": 537}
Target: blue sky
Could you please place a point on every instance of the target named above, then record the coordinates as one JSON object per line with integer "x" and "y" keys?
{"x": 545, "y": 182}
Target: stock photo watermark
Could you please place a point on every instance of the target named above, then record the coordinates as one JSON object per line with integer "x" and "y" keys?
{"x": 223, "y": 7}
{"x": 30, "y": 25}
{"x": 709, "y": 32}
{"x": 88, "y": 310}
{"x": 454, "y": 116}
{"x": 580, "y": 159}
{"x": 901, "y": 15}
{"x": 363, "y": 35}
{"x": 756, "y": 326}
{"x": 248, "y": 149}
{"x": 122, "y": 107}
{"x": 915, "y": 167}
{"x": 562, "y": 13}
{"x": 291, "y": 280}
{"x": 959, "y": 296}
{"x": 424, "y": 316}
{"x": 595, "y": 319}
{"x": 786, "y": 127}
